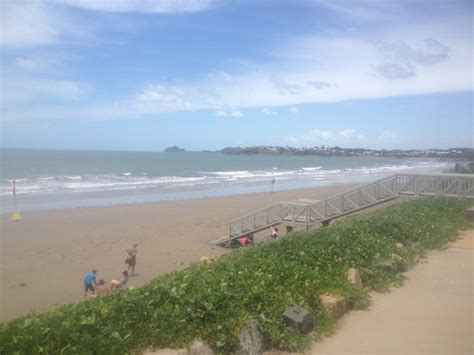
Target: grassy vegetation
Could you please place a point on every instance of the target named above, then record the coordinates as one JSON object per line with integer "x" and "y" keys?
{"x": 213, "y": 301}
{"x": 462, "y": 169}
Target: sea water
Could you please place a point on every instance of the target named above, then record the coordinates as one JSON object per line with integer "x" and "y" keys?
{"x": 51, "y": 179}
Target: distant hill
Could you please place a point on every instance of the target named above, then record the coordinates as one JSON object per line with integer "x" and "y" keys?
{"x": 174, "y": 149}
{"x": 453, "y": 153}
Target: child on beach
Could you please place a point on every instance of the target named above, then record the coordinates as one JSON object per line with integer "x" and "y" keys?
{"x": 274, "y": 234}
{"x": 247, "y": 240}
{"x": 101, "y": 289}
{"x": 90, "y": 282}
{"x": 131, "y": 258}
{"x": 119, "y": 284}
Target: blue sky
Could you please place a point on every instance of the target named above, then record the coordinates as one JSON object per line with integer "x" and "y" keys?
{"x": 143, "y": 75}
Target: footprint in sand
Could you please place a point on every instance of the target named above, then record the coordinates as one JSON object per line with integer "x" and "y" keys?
{"x": 21, "y": 284}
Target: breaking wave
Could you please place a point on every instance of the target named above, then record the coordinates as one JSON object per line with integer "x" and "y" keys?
{"x": 123, "y": 181}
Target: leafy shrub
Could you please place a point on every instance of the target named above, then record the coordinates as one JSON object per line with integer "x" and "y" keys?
{"x": 213, "y": 301}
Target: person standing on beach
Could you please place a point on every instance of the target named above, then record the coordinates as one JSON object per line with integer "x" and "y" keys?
{"x": 273, "y": 184}
{"x": 131, "y": 258}
{"x": 90, "y": 282}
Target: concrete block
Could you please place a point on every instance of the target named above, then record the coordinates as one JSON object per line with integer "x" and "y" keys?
{"x": 470, "y": 214}
{"x": 298, "y": 318}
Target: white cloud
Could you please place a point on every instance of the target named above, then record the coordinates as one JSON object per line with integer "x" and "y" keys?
{"x": 161, "y": 98}
{"x": 350, "y": 133}
{"x": 229, "y": 113}
{"x": 160, "y": 93}
{"x": 321, "y": 135}
{"x": 27, "y": 63}
{"x": 144, "y": 6}
{"x": 42, "y": 62}
{"x": 28, "y": 23}
{"x": 220, "y": 76}
{"x": 25, "y": 90}
{"x": 388, "y": 135}
{"x": 268, "y": 112}
{"x": 317, "y": 136}
{"x": 401, "y": 60}
{"x": 294, "y": 109}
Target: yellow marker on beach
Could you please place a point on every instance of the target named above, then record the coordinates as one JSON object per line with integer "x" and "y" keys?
{"x": 16, "y": 217}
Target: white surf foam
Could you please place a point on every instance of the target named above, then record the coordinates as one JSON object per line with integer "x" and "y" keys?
{"x": 203, "y": 179}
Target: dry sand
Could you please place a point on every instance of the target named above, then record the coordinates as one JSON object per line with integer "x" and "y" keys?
{"x": 45, "y": 257}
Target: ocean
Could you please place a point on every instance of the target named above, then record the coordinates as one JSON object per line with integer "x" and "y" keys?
{"x": 53, "y": 179}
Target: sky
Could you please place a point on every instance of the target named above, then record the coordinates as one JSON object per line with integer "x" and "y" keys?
{"x": 143, "y": 75}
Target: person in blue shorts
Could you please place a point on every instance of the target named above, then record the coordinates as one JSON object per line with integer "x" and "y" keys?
{"x": 90, "y": 282}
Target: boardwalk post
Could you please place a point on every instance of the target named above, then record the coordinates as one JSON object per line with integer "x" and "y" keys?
{"x": 307, "y": 217}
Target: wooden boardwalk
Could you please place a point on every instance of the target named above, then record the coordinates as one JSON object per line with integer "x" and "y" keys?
{"x": 307, "y": 213}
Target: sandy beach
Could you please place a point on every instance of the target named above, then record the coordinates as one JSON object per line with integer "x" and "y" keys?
{"x": 46, "y": 255}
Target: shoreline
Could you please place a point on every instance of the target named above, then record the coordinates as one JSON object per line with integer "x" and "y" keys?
{"x": 47, "y": 254}
{"x": 92, "y": 189}
{"x": 172, "y": 200}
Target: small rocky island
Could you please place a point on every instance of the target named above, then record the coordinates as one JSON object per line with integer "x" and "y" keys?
{"x": 174, "y": 149}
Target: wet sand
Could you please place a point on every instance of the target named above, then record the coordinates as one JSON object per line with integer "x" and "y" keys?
{"x": 46, "y": 255}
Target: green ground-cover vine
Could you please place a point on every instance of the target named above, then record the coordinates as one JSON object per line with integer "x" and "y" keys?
{"x": 213, "y": 301}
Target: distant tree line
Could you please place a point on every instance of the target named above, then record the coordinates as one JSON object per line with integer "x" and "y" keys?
{"x": 462, "y": 168}
{"x": 464, "y": 154}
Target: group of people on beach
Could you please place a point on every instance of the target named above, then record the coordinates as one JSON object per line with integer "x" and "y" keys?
{"x": 100, "y": 288}
{"x": 249, "y": 239}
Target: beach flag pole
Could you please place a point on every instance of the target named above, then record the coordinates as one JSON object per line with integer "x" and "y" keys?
{"x": 16, "y": 215}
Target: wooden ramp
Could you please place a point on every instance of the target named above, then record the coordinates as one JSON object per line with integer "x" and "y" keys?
{"x": 308, "y": 213}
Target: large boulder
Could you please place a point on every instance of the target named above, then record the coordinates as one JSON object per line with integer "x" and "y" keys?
{"x": 298, "y": 318}
{"x": 199, "y": 348}
{"x": 353, "y": 277}
{"x": 335, "y": 306}
{"x": 417, "y": 248}
{"x": 386, "y": 266}
{"x": 401, "y": 247}
{"x": 251, "y": 341}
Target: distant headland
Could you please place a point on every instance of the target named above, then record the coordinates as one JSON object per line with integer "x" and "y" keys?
{"x": 460, "y": 153}
{"x": 452, "y": 153}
